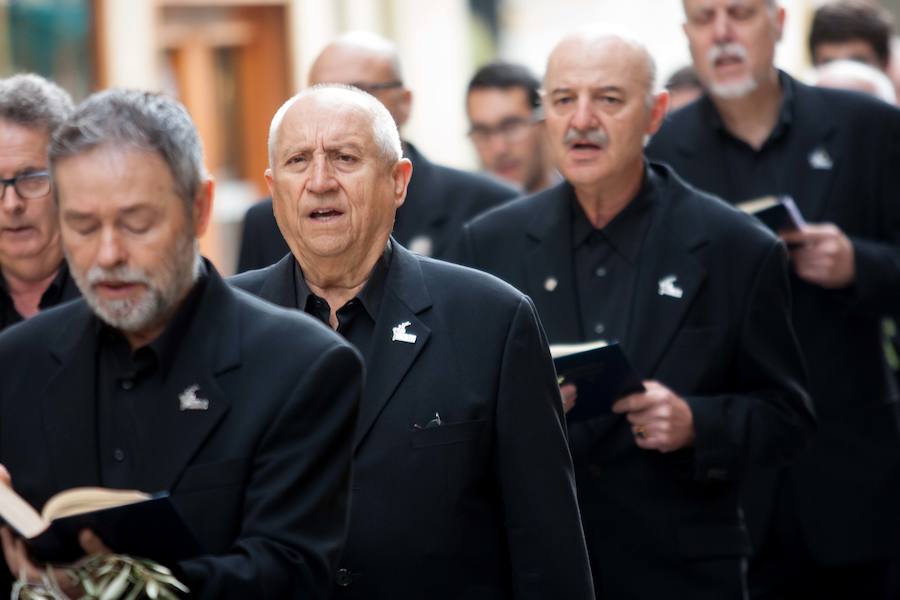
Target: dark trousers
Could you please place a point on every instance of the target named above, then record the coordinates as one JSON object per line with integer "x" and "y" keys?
{"x": 783, "y": 568}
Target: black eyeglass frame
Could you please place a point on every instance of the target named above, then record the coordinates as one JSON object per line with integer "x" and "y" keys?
{"x": 14, "y": 181}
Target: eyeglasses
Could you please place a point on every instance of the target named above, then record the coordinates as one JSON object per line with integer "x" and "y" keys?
{"x": 512, "y": 129}
{"x": 377, "y": 87}
{"x": 28, "y": 186}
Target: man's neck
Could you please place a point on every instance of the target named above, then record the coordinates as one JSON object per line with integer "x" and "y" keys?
{"x": 332, "y": 280}
{"x": 603, "y": 201}
{"x": 27, "y": 284}
{"x": 752, "y": 118}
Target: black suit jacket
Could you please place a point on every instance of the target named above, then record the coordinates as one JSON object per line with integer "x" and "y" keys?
{"x": 262, "y": 476}
{"x": 482, "y": 506}
{"x": 846, "y": 486}
{"x": 669, "y": 523}
{"x": 438, "y": 201}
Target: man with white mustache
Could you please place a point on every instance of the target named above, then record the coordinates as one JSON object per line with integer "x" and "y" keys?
{"x": 695, "y": 292}
{"x": 33, "y": 274}
{"x": 826, "y": 526}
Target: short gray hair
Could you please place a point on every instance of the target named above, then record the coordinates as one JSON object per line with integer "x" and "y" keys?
{"x": 31, "y": 101}
{"x": 384, "y": 129}
{"x": 140, "y": 120}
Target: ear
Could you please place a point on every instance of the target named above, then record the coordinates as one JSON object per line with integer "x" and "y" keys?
{"x": 270, "y": 182}
{"x": 779, "y": 23}
{"x": 203, "y": 203}
{"x": 658, "y": 111}
{"x": 404, "y": 108}
{"x": 401, "y": 173}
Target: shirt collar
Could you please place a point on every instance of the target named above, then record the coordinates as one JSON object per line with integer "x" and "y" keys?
{"x": 54, "y": 290}
{"x": 369, "y": 296}
{"x": 785, "y": 112}
{"x": 623, "y": 232}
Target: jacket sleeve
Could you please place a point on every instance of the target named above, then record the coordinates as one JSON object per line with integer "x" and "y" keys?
{"x": 543, "y": 524}
{"x": 769, "y": 418}
{"x": 295, "y": 509}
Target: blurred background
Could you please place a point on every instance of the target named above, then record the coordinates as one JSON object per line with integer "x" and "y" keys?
{"x": 233, "y": 62}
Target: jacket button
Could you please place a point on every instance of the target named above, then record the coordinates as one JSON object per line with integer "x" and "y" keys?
{"x": 344, "y": 578}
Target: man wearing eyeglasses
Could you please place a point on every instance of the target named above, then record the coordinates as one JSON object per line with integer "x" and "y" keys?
{"x": 33, "y": 274}
{"x": 439, "y": 199}
{"x": 506, "y": 125}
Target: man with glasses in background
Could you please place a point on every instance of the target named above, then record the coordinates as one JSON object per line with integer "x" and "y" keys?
{"x": 506, "y": 125}
{"x": 439, "y": 199}
{"x": 33, "y": 274}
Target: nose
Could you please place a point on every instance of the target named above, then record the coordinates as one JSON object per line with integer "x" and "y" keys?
{"x": 722, "y": 27}
{"x": 10, "y": 201}
{"x": 321, "y": 178}
{"x": 111, "y": 252}
{"x": 583, "y": 117}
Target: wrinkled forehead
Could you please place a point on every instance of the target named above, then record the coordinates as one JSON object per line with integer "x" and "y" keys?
{"x": 316, "y": 120}
{"x": 580, "y": 63}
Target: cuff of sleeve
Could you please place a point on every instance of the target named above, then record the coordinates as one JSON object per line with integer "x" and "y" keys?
{"x": 712, "y": 459}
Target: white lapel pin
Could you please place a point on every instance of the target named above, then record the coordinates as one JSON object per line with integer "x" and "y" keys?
{"x": 819, "y": 159}
{"x": 550, "y": 284}
{"x": 400, "y": 334}
{"x": 189, "y": 401}
{"x": 421, "y": 244}
{"x": 667, "y": 287}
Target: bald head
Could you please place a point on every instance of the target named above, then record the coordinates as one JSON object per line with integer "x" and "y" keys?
{"x": 369, "y": 62}
{"x": 342, "y": 98}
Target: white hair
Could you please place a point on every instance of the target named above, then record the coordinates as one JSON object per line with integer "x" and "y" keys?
{"x": 384, "y": 129}
{"x": 844, "y": 73}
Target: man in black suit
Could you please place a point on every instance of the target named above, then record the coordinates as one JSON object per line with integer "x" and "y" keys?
{"x": 439, "y": 199}
{"x": 164, "y": 378}
{"x": 463, "y": 484}
{"x": 826, "y": 526}
{"x": 696, "y": 293}
{"x": 33, "y": 274}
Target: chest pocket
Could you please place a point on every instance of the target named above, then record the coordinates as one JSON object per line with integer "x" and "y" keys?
{"x": 447, "y": 433}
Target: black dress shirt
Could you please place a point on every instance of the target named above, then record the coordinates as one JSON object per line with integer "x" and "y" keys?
{"x": 128, "y": 385}
{"x": 60, "y": 290}
{"x": 606, "y": 266}
{"x": 752, "y": 172}
{"x": 356, "y": 319}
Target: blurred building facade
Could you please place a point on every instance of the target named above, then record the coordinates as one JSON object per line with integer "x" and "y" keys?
{"x": 233, "y": 62}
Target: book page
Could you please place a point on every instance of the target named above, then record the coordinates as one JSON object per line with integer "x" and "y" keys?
{"x": 757, "y": 204}
{"x": 19, "y": 514}
{"x": 88, "y": 499}
{"x": 560, "y": 350}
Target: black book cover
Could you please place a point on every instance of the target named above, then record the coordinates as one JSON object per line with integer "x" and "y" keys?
{"x": 602, "y": 375}
{"x": 777, "y": 213}
{"x": 150, "y": 529}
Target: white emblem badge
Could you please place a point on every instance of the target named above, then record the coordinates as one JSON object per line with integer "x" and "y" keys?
{"x": 550, "y": 284}
{"x": 400, "y": 334}
{"x": 189, "y": 401}
{"x": 819, "y": 159}
{"x": 421, "y": 244}
{"x": 667, "y": 287}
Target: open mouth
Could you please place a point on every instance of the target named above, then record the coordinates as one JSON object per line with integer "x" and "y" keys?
{"x": 323, "y": 215}
{"x": 728, "y": 61}
{"x": 116, "y": 289}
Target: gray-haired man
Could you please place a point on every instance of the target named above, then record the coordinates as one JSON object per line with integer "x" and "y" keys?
{"x": 164, "y": 379}
{"x": 33, "y": 275}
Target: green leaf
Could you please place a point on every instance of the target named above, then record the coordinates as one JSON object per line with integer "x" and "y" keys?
{"x": 118, "y": 585}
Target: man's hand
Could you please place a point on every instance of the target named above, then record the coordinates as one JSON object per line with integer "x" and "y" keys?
{"x": 569, "y": 394}
{"x": 660, "y": 419}
{"x": 822, "y": 255}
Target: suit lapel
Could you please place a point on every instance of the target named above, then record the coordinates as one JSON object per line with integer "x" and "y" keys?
{"x": 668, "y": 281}
{"x": 68, "y": 405}
{"x": 550, "y": 280}
{"x": 405, "y": 298}
{"x": 278, "y": 284}
{"x": 712, "y": 170}
{"x": 818, "y": 157}
{"x": 174, "y": 431}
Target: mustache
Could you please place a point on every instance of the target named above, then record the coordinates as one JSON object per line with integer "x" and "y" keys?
{"x": 598, "y": 137}
{"x": 729, "y": 50}
{"x": 122, "y": 274}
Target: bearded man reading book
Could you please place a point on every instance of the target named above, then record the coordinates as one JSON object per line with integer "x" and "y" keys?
{"x": 163, "y": 379}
